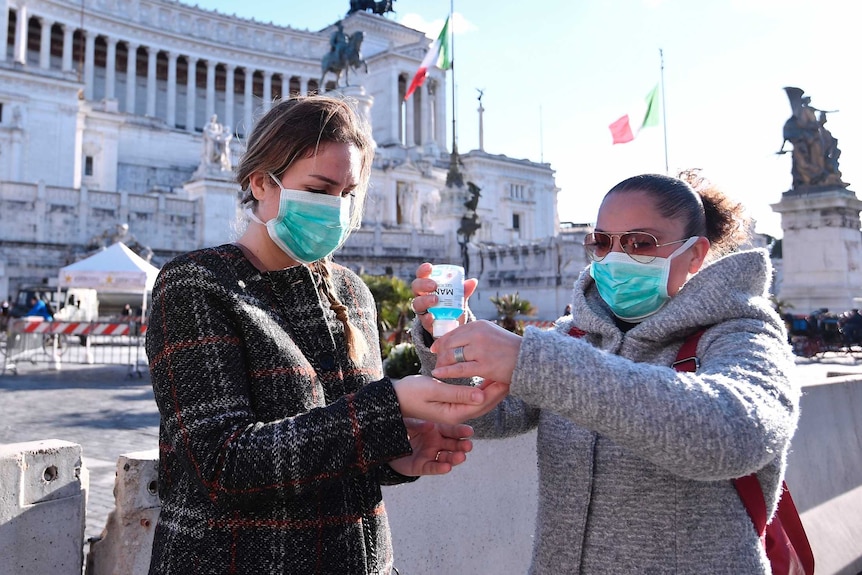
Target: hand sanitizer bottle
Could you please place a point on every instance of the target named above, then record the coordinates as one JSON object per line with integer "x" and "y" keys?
{"x": 450, "y": 297}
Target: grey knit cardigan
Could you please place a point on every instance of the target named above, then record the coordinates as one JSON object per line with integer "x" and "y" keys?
{"x": 636, "y": 459}
{"x": 272, "y": 442}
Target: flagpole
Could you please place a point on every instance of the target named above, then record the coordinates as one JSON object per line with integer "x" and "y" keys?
{"x": 452, "y": 67}
{"x": 663, "y": 113}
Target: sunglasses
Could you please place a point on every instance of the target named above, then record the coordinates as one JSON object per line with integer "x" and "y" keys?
{"x": 639, "y": 246}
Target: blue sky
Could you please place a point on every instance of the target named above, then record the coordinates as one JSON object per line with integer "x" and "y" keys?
{"x": 555, "y": 73}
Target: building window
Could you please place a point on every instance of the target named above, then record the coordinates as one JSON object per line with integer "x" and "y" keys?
{"x": 88, "y": 165}
{"x": 516, "y": 191}
{"x": 516, "y": 221}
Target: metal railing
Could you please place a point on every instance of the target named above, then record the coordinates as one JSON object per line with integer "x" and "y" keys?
{"x": 57, "y": 342}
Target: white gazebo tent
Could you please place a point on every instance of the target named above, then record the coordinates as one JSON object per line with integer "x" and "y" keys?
{"x": 116, "y": 269}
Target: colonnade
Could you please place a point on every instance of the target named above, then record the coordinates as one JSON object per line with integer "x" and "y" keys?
{"x": 146, "y": 80}
{"x": 183, "y": 88}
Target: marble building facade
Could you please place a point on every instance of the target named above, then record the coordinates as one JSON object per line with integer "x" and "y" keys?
{"x": 101, "y": 116}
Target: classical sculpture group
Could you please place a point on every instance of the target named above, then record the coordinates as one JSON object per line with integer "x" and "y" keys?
{"x": 815, "y": 150}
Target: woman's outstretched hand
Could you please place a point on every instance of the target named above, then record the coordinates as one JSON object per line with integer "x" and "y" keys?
{"x": 484, "y": 349}
{"x": 427, "y": 398}
{"x": 437, "y": 448}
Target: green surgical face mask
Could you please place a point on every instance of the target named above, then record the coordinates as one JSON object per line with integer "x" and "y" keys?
{"x": 633, "y": 290}
{"x": 308, "y": 226}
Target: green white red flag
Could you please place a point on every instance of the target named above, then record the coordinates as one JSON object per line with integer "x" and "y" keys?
{"x": 643, "y": 115}
{"x": 439, "y": 54}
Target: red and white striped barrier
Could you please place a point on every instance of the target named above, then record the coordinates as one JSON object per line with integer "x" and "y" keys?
{"x": 539, "y": 323}
{"x": 78, "y": 327}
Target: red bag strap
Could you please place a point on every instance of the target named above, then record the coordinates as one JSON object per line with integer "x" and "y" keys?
{"x": 792, "y": 524}
{"x": 751, "y": 494}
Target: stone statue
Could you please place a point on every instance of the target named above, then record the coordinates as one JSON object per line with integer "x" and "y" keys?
{"x": 380, "y": 7}
{"x": 338, "y": 42}
{"x": 223, "y": 147}
{"x": 215, "y": 155}
{"x": 429, "y": 200}
{"x": 815, "y": 150}
{"x": 408, "y": 204}
{"x": 344, "y": 53}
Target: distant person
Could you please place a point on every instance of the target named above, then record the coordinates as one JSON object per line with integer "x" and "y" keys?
{"x": 128, "y": 312}
{"x": 637, "y": 459}
{"x": 568, "y": 310}
{"x": 278, "y": 427}
{"x": 38, "y": 308}
{"x": 852, "y": 328}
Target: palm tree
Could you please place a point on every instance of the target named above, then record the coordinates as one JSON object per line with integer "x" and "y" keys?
{"x": 509, "y": 307}
{"x": 393, "y": 297}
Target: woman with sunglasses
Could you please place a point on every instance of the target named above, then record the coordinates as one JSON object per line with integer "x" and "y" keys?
{"x": 277, "y": 425}
{"x": 636, "y": 459}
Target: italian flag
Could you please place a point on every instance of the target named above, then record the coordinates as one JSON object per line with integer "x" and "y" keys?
{"x": 644, "y": 115}
{"x": 439, "y": 54}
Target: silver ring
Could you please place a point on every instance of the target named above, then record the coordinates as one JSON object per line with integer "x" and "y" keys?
{"x": 458, "y": 352}
{"x": 414, "y": 309}
{"x": 437, "y": 457}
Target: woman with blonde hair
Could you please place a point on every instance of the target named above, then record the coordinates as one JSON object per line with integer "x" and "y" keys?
{"x": 277, "y": 425}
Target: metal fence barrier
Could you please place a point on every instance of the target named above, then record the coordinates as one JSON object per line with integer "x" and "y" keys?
{"x": 59, "y": 342}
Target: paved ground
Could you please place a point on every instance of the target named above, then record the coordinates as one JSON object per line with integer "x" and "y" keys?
{"x": 102, "y": 408}
{"x": 109, "y": 411}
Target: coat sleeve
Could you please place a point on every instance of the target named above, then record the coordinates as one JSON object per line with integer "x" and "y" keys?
{"x": 734, "y": 415}
{"x": 211, "y": 422}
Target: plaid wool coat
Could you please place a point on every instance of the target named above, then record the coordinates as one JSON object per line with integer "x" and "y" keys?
{"x": 272, "y": 443}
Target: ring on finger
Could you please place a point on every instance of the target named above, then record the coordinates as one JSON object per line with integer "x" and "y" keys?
{"x": 412, "y": 301}
{"x": 437, "y": 457}
{"x": 458, "y": 352}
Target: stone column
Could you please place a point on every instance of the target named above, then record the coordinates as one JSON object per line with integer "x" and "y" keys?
{"x": 210, "y": 105}
{"x": 428, "y": 105}
{"x": 409, "y": 132}
{"x": 111, "y": 70}
{"x": 285, "y": 86}
{"x": 89, "y": 63}
{"x": 248, "y": 106}
{"x": 131, "y": 77}
{"x": 394, "y": 109}
{"x": 191, "y": 83}
{"x": 229, "y": 87}
{"x": 172, "y": 90}
{"x": 440, "y": 110}
{"x": 267, "y": 89}
{"x": 68, "y": 36}
{"x": 4, "y": 26}
{"x": 152, "y": 56}
{"x": 303, "y": 85}
{"x": 20, "y": 36}
{"x": 44, "y": 44}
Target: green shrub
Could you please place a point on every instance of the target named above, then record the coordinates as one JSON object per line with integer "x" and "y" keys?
{"x": 401, "y": 361}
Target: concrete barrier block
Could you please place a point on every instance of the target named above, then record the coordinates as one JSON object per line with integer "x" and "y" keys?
{"x": 455, "y": 523}
{"x": 824, "y": 472}
{"x": 127, "y": 539}
{"x": 42, "y": 507}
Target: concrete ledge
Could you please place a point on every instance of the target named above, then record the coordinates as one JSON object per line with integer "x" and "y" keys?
{"x": 825, "y": 472}
{"x": 127, "y": 539}
{"x": 42, "y": 507}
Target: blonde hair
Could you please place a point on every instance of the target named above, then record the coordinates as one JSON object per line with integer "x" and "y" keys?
{"x": 294, "y": 129}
